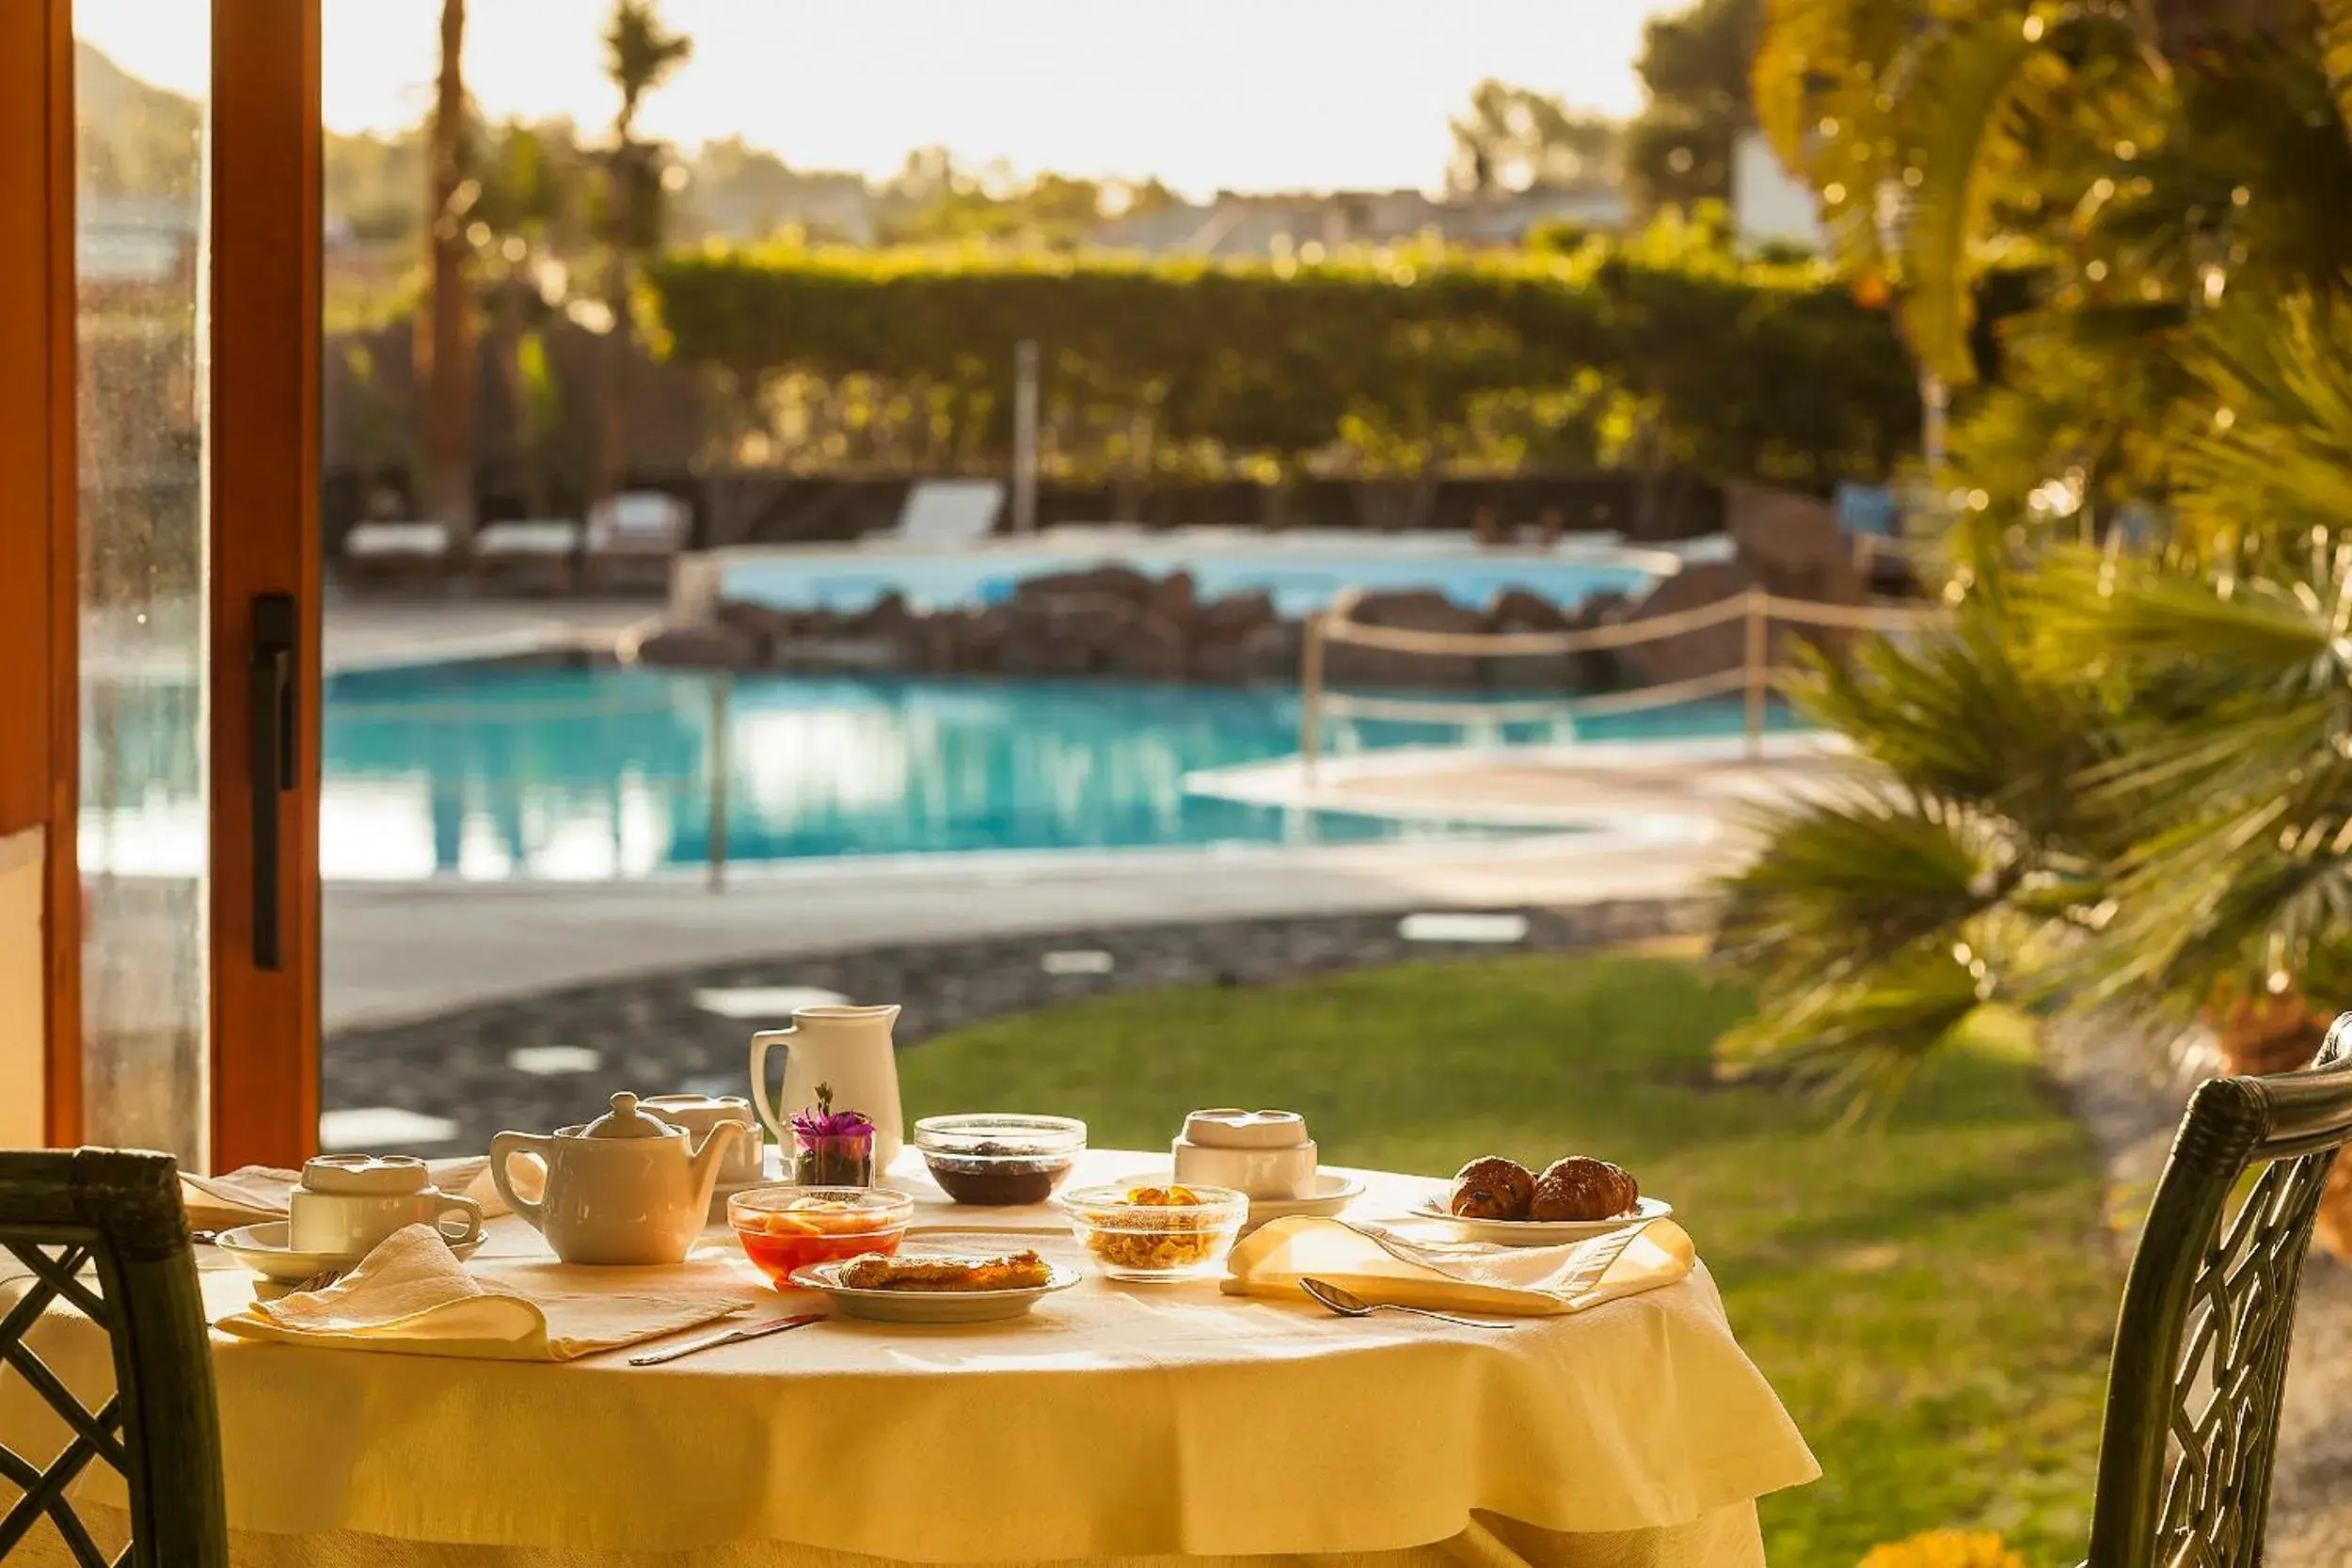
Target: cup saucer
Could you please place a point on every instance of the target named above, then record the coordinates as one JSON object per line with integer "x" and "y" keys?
{"x": 263, "y": 1248}
{"x": 1332, "y": 1191}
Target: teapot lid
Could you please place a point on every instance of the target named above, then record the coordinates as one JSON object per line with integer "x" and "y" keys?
{"x": 624, "y": 1120}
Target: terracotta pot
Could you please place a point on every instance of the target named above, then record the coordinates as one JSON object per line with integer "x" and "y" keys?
{"x": 2267, "y": 1034}
{"x": 2279, "y": 1034}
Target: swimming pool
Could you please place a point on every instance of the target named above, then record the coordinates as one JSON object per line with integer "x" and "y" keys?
{"x": 490, "y": 773}
{"x": 493, "y": 771}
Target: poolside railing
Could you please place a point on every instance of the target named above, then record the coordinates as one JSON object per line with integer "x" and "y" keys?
{"x": 1752, "y": 676}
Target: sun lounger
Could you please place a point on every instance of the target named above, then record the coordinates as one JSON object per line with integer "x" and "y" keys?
{"x": 634, "y": 538}
{"x": 381, "y": 553}
{"x": 533, "y": 554}
{"x": 947, "y": 512}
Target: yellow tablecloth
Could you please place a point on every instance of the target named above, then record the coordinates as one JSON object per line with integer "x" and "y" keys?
{"x": 1116, "y": 1421}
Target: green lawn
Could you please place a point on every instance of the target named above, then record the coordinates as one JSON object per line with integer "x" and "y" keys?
{"x": 1933, "y": 1301}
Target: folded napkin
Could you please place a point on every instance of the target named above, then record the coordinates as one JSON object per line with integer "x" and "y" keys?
{"x": 411, "y": 1295}
{"x": 1414, "y": 1268}
{"x": 252, "y": 1194}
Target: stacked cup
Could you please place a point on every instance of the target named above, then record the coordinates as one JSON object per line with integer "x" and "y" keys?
{"x": 1266, "y": 1154}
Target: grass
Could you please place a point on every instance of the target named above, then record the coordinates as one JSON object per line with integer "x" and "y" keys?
{"x": 1931, "y": 1299}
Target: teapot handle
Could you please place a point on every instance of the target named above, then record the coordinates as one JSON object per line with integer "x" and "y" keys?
{"x": 503, "y": 1148}
{"x": 760, "y": 1042}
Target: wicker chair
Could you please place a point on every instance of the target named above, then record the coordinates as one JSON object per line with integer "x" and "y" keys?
{"x": 103, "y": 1231}
{"x": 2200, "y": 1350}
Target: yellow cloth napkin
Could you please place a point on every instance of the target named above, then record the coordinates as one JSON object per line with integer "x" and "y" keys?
{"x": 413, "y": 1297}
{"x": 251, "y": 1193}
{"x": 1414, "y": 1267}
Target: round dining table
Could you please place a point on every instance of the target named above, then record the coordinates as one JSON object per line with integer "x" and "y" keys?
{"x": 1115, "y": 1421}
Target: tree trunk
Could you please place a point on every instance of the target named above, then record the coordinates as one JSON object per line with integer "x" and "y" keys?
{"x": 444, "y": 350}
{"x": 530, "y": 462}
{"x": 613, "y": 384}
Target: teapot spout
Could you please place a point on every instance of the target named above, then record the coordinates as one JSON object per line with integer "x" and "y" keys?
{"x": 703, "y": 1165}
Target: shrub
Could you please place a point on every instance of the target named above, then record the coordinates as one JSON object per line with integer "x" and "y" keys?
{"x": 1664, "y": 349}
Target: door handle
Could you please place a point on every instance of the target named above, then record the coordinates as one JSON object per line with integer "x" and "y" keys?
{"x": 270, "y": 714}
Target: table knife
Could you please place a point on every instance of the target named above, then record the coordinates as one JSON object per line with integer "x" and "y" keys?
{"x": 732, "y": 1337}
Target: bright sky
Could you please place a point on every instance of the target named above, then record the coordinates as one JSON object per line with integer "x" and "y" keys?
{"x": 1252, "y": 94}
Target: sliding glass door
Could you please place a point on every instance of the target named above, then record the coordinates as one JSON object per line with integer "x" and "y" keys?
{"x": 142, "y": 361}
{"x": 158, "y": 255}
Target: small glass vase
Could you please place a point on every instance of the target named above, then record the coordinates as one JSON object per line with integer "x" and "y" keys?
{"x": 843, "y": 1161}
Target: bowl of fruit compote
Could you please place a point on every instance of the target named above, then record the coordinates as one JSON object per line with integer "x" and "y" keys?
{"x": 789, "y": 1226}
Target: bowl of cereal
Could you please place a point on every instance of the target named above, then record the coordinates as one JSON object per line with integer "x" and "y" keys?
{"x": 1154, "y": 1233}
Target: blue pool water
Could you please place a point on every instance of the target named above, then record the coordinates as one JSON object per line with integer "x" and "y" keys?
{"x": 494, "y": 771}
{"x": 1302, "y": 578}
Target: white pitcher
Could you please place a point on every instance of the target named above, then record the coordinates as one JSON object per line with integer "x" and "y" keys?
{"x": 848, "y": 1047}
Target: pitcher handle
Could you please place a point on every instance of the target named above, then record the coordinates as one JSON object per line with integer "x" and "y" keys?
{"x": 503, "y": 1150}
{"x": 760, "y": 1042}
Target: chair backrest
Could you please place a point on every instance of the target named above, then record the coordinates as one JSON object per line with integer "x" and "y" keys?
{"x": 103, "y": 1231}
{"x": 950, "y": 511}
{"x": 2200, "y": 1349}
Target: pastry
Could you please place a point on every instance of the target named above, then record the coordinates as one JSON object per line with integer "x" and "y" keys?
{"x": 1491, "y": 1188}
{"x": 1582, "y": 1188}
{"x": 1020, "y": 1270}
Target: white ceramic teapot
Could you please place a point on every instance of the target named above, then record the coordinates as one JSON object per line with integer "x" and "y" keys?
{"x": 625, "y": 1188}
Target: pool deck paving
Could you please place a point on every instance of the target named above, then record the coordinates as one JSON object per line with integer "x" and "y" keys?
{"x": 400, "y": 950}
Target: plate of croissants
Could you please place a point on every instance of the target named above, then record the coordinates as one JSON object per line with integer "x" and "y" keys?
{"x": 1494, "y": 1199}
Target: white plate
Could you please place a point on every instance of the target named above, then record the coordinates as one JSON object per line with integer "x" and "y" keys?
{"x": 1540, "y": 1232}
{"x": 928, "y": 1306}
{"x": 1332, "y": 1193}
{"x": 263, "y": 1248}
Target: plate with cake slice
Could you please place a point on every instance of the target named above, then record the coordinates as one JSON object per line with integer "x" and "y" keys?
{"x": 937, "y": 1288}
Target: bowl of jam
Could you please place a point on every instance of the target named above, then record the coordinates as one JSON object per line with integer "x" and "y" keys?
{"x": 999, "y": 1160}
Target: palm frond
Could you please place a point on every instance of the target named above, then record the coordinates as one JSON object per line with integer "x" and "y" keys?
{"x": 1977, "y": 91}
{"x": 2234, "y": 692}
{"x": 2265, "y": 449}
{"x": 1956, "y": 715}
{"x": 1861, "y": 1037}
{"x": 1818, "y": 56}
{"x": 1850, "y": 879}
{"x": 2335, "y": 51}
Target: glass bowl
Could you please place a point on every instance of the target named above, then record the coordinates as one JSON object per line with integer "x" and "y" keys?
{"x": 999, "y": 1159}
{"x": 789, "y": 1226}
{"x": 1131, "y": 1231}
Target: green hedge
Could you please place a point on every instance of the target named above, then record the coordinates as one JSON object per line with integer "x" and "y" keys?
{"x": 1662, "y": 351}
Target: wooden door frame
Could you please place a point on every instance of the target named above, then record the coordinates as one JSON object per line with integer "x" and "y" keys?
{"x": 39, "y": 697}
{"x": 265, "y": 518}
{"x": 263, "y": 511}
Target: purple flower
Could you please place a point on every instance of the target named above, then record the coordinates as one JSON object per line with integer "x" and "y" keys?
{"x": 821, "y": 1121}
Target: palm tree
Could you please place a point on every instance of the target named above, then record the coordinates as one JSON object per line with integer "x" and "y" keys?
{"x": 639, "y": 56}
{"x": 444, "y": 348}
{"x": 2120, "y": 777}
{"x": 528, "y": 175}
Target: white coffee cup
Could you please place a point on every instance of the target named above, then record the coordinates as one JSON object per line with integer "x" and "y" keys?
{"x": 699, "y": 1113}
{"x": 1263, "y": 1153}
{"x": 347, "y": 1203}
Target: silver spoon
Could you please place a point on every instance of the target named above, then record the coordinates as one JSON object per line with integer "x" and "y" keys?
{"x": 1347, "y": 1304}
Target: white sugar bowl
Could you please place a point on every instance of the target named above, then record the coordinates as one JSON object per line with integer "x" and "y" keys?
{"x": 1263, "y": 1153}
